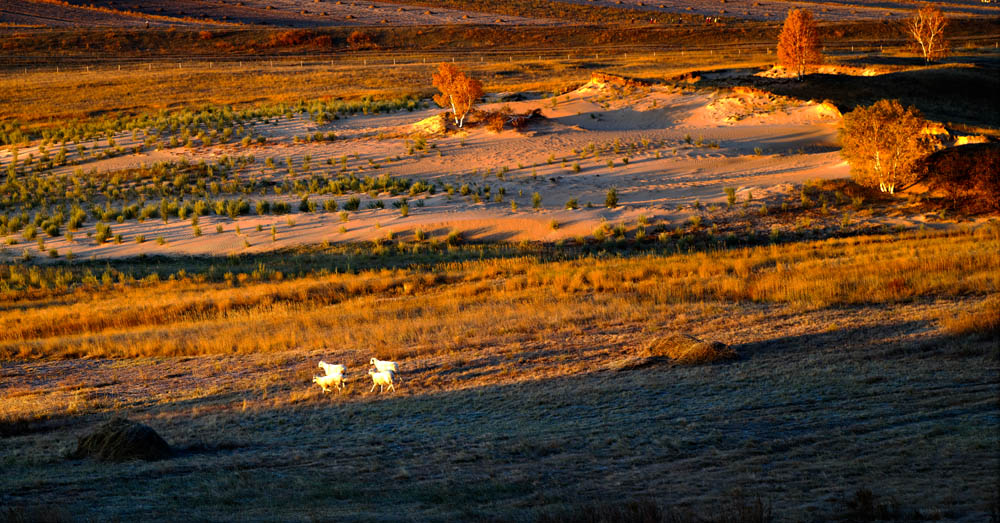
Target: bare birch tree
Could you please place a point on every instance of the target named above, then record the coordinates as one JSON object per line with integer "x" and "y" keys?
{"x": 927, "y": 28}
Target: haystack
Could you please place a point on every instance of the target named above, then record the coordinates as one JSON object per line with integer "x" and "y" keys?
{"x": 686, "y": 349}
{"x": 122, "y": 440}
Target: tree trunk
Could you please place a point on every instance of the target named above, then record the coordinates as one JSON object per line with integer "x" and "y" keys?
{"x": 454, "y": 111}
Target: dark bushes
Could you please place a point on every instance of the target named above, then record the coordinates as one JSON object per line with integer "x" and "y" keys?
{"x": 968, "y": 175}
{"x": 361, "y": 40}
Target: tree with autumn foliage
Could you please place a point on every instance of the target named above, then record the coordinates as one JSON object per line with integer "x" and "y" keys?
{"x": 884, "y": 144}
{"x": 458, "y": 91}
{"x": 798, "y": 43}
{"x": 927, "y": 28}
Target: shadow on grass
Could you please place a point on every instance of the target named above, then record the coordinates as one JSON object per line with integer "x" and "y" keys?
{"x": 521, "y": 450}
{"x": 838, "y": 340}
{"x": 735, "y": 507}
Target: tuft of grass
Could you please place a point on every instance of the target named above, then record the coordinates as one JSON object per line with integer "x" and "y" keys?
{"x": 688, "y": 350}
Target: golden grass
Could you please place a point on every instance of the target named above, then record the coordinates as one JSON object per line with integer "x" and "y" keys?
{"x": 46, "y": 96}
{"x": 450, "y": 306}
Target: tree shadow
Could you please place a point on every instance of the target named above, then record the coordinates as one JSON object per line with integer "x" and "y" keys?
{"x": 951, "y": 93}
{"x": 840, "y": 340}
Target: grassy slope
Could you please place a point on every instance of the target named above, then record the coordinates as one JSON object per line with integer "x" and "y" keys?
{"x": 522, "y": 393}
{"x": 409, "y": 312}
{"x": 108, "y": 92}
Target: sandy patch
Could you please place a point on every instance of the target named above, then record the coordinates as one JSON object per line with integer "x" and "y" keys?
{"x": 663, "y": 149}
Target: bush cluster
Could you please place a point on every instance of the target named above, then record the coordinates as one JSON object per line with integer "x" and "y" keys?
{"x": 968, "y": 175}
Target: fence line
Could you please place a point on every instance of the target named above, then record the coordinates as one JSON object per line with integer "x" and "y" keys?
{"x": 429, "y": 58}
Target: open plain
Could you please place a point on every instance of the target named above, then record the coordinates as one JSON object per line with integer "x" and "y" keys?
{"x": 642, "y": 281}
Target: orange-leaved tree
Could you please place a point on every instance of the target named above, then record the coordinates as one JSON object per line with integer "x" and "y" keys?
{"x": 798, "y": 43}
{"x": 884, "y": 143}
{"x": 458, "y": 91}
{"x": 927, "y": 28}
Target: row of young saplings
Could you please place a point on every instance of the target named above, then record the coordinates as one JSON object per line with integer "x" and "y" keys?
{"x": 217, "y": 118}
{"x": 52, "y": 223}
{"x": 384, "y": 375}
{"x": 154, "y": 139}
{"x": 35, "y": 192}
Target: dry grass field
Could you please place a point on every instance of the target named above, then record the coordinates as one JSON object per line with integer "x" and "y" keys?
{"x": 868, "y": 363}
{"x": 658, "y": 298}
{"x": 322, "y": 13}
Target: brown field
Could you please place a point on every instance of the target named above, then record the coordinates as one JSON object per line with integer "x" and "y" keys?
{"x": 279, "y": 13}
{"x": 325, "y": 13}
{"x": 662, "y": 299}
{"x": 776, "y": 10}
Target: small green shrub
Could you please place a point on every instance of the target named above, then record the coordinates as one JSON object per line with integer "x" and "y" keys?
{"x": 730, "y": 196}
{"x": 611, "y": 199}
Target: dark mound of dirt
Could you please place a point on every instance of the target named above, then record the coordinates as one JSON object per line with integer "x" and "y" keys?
{"x": 686, "y": 349}
{"x": 122, "y": 440}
